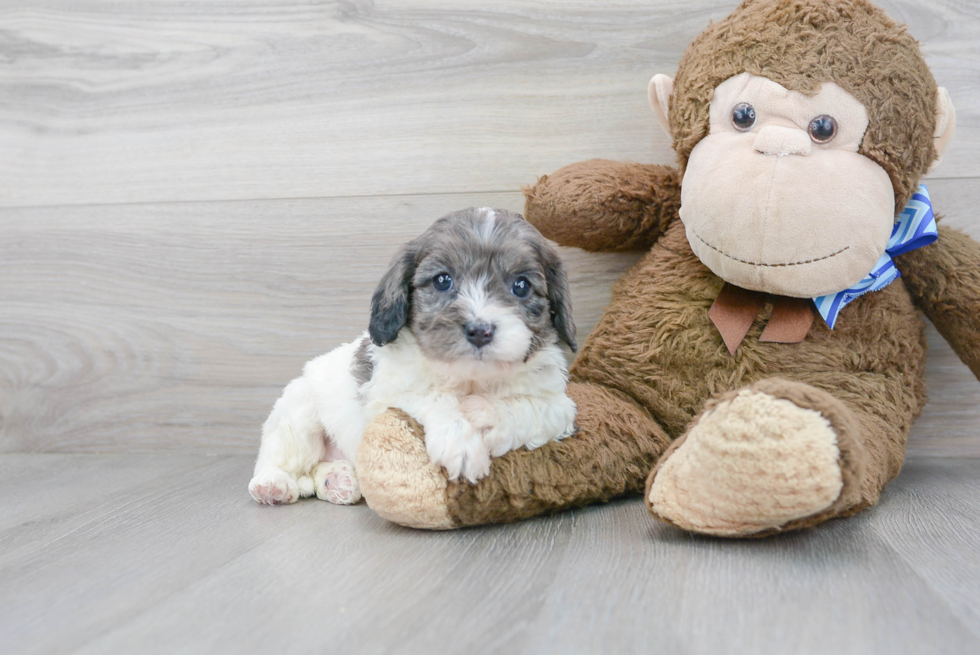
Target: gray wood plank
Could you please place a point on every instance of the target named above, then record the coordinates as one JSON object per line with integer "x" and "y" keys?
{"x": 836, "y": 589}
{"x": 932, "y": 521}
{"x": 174, "y": 327}
{"x": 63, "y": 487}
{"x": 68, "y": 579}
{"x": 188, "y": 563}
{"x": 950, "y": 422}
{"x": 106, "y": 102}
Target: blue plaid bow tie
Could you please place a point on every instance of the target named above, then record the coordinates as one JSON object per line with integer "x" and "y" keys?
{"x": 914, "y": 227}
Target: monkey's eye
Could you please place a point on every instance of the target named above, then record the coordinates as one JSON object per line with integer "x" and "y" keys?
{"x": 822, "y": 129}
{"x": 443, "y": 282}
{"x": 743, "y": 116}
{"x": 521, "y": 288}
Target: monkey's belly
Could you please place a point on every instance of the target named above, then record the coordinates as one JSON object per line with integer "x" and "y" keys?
{"x": 656, "y": 343}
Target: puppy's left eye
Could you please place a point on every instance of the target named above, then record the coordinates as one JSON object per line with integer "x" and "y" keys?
{"x": 521, "y": 288}
{"x": 443, "y": 282}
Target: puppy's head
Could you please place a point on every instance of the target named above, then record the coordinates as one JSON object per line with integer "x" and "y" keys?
{"x": 480, "y": 284}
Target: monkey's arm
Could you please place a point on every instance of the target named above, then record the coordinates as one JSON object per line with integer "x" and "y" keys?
{"x": 944, "y": 280}
{"x": 605, "y": 205}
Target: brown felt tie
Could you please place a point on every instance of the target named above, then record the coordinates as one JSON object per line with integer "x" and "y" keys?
{"x": 790, "y": 321}
{"x": 733, "y": 312}
{"x": 735, "y": 309}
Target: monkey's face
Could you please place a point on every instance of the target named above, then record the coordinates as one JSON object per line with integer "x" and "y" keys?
{"x": 776, "y": 198}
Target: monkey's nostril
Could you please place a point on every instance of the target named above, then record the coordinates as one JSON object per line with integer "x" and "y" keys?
{"x": 479, "y": 334}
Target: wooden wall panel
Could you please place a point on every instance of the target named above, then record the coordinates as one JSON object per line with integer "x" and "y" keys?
{"x": 108, "y": 102}
{"x": 195, "y": 198}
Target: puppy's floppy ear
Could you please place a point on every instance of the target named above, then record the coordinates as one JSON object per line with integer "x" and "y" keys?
{"x": 558, "y": 296}
{"x": 391, "y": 300}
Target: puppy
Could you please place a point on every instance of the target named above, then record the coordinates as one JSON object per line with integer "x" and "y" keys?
{"x": 465, "y": 336}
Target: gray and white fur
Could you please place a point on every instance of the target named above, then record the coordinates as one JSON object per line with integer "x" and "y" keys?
{"x": 465, "y": 336}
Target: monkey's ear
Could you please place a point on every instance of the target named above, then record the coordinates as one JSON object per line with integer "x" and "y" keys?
{"x": 945, "y": 126}
{"x": 390, "y": 304}
{"x": 661, "y": 86}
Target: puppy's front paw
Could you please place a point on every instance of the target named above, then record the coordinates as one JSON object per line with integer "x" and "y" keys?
{"x": 479, "y": 412}
{"x": 497, "y": 442}
{"x": 476, "y": 461}
{"x": 336, "y": 482}
{"x": 459, "y": 448}
{"x": 273, "y": 486}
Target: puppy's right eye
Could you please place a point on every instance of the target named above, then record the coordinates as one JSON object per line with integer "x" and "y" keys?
{"x": 443, "y": 282}
{"x": 521, "y": 288}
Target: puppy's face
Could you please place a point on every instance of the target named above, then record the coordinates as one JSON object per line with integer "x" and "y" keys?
{"x": 480, "y": 284}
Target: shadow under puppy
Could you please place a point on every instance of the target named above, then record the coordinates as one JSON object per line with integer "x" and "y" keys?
{"x": 465, "y": 337}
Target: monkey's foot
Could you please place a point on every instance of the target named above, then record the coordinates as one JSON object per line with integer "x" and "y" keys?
{"x": 397, "y": 478}
{"x": 776, "y": 456}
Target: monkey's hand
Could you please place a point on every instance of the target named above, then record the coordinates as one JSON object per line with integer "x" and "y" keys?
{"x": 603, "y": 205}
{"x": 944, "y": 280}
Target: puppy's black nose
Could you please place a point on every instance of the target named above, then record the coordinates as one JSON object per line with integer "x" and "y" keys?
{"x": 479, "y": 334}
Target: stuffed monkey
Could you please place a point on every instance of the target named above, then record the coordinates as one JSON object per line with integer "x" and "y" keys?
{"x": 759, "y": 369}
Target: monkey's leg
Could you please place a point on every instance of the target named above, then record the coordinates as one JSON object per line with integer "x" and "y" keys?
{"x": 611, "y": 454}
{"x": 772, "y": 457}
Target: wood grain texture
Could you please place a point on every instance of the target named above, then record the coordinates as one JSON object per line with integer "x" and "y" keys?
{"x": 198, "y": 197}
{"x": 186, "y": 562}
{"x": 104, "y": 101}
{"x": 175, "y": 326}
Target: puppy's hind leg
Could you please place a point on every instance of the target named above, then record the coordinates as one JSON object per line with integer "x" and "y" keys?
{"x": 335, "y": 479}
{"x": 292, "y": 444}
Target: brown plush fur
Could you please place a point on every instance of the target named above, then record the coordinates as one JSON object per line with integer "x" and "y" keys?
{"x": 657, "y": 344}
{"x": 799, "y": 44}
{"x": 945, "y": 283}
{"x": 635, "y": 203}
{"x": 655, "y": 360}
{"x": 617, "y": 444}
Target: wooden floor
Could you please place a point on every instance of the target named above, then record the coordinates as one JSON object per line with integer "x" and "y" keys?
{"x": 198, "y": 197}
{"x": 166, "y": 554}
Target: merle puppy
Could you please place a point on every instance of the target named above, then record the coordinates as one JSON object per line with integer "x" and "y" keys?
{"x": 465, "y": 336}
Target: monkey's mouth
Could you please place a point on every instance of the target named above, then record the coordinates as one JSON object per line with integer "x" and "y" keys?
{"x": 775, "y": 265}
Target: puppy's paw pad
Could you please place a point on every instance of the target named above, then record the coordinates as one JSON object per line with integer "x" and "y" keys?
{"x": 272, "y": 486}
{"x": 337, "y": 483}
